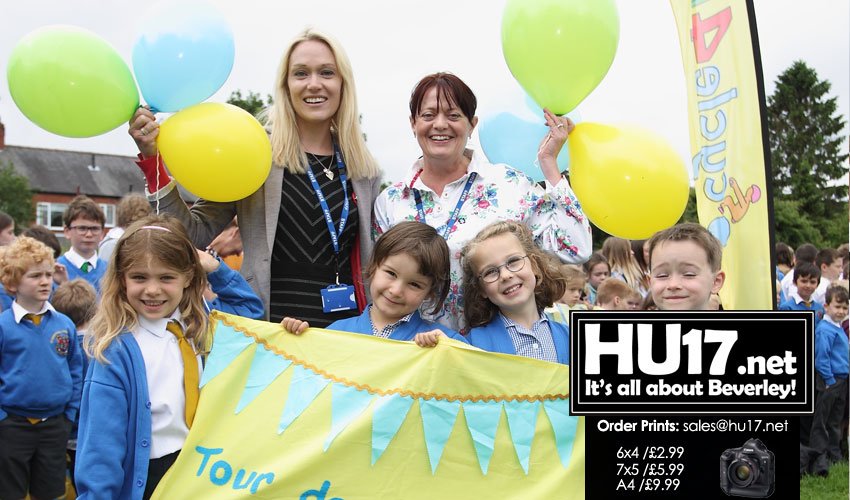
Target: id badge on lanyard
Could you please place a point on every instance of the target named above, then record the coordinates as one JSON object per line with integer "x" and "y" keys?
{"x": 339, "y": 296}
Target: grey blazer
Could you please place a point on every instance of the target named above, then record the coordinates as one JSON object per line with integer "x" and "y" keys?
{"x": 258, "y": 223}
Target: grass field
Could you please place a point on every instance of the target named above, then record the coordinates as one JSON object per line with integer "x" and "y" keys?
{"x": 834, "y": 487}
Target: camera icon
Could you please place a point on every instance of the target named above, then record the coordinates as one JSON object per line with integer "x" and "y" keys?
{"x": 748, "y": 471}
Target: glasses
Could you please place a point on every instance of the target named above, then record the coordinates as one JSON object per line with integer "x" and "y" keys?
{"x": 514, "y": 264}
{"x": 87, "y": 229}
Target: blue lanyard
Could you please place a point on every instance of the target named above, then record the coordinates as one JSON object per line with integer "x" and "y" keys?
{"x": 328, "y": 218}
{"x": 455, "y": 214}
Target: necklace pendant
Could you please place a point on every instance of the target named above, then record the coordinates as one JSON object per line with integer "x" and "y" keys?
{"x": 329, "y": 174}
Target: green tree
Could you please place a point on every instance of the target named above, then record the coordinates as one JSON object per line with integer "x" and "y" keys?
{"x": 806, "y": 157}
{"x": 16, "y": 196}
{"x": 690, "y": 213}
{"x": 252, "y": 103}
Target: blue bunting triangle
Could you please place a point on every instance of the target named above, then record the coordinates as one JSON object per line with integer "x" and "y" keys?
{"x": 482, "y": 420}
{"x": 303, "y": 389}
{"x": 387, "y": 416}
{"x": 227, "y": 344}
{"x": 522, "y": 419}
{"x": 438, "y": 418}
{"x": 347, "y": 403}
{"x": 564, "y": 425}
{"x": 265, "y": 368}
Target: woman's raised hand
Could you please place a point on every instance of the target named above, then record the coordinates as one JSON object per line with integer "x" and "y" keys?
{"x": 144, "y": 129}
{"x": 559, "y": 128}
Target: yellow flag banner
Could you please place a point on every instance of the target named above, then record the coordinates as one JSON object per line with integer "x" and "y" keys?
{"x": 725, "y": 96}
{"x": 341, "y": 416}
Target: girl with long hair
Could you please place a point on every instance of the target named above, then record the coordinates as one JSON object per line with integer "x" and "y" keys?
{"x": 145, "y": 342}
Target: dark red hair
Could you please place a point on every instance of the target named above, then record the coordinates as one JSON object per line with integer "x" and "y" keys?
{"x": 450, "y": 88}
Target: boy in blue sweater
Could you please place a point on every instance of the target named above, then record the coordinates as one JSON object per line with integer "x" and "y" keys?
{"x": 77, "y": 300}
{"x": 40, "y": 376}
{"x": 832, "y": 363}
{"x": 84, "y": 221}
{"x": 806, "y": 279}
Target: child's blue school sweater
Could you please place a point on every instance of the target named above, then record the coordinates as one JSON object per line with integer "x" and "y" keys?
{"x": 404, "y": 331}
{"x": 235, "y": 295}
{"x": 832, "y": 351}
{"x": 41, "y": 366}
{"x": 94, "y": 276}
{"x": 494, "y": 337}
{"x": 792, "y": 305}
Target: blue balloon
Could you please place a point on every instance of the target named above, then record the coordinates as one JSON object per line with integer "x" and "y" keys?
{"x": 183, "y": 55}
{"x": 514, "y": 139}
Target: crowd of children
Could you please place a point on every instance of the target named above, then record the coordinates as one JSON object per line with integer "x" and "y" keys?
{"x": 127, "y": 334}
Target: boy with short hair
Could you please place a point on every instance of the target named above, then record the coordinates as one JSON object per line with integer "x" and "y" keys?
{"x": 77, "y": 300}
{"x": 612, "y": 295}
{"x": 804, "y": 253}
{"x": 36, "y": 345}
{"x": 806, "y": 279}
{"x": 832, "y": 364}
{"x": 84, "y": 221}
{"x": 684, "y": 268}
{"x": 831, "y": 267}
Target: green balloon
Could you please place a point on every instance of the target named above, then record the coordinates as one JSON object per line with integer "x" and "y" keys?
{"x": 559, "y": 50}
{"x": 71, "y": 82}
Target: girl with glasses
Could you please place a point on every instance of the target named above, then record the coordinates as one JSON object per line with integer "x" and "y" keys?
{"x": 508, "y": 281}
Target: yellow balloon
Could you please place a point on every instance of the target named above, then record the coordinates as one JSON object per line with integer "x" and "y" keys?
{"x": 217, "y": 151}
{"x": 629, "y": 180}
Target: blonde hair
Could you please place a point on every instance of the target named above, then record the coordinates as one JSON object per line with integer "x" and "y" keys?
{"x": 18, "y": 257}
{"x": 618, "y": 251}
{"x": 611, "y": 288}
{"x": 131, "y": 208}
{"x": 144, "y": 241}
{"x": 573, "y": 275}
{"x": 551, "y": 285}
{"x": 345, "y": 125}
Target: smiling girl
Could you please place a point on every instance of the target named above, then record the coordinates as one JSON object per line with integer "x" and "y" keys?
{"x": 508, "y": 281}
{"x": 408, "y": 267}
{"x": 140, "y": 392}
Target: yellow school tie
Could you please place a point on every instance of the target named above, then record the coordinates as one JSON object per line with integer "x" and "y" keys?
{"x": 190, "y": 371}
{"x": 35, "y": 318}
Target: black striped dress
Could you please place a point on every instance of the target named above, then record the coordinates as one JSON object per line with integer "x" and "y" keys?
{"x": 303, "y": 260}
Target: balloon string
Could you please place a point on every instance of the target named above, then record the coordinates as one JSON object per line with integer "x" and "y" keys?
{"x": 157, "y": 179}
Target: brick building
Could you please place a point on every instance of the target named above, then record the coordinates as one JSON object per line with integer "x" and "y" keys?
{"x": 58, "y": 176}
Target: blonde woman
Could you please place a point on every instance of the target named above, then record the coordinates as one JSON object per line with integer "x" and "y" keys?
{"x": 291, "y": 254}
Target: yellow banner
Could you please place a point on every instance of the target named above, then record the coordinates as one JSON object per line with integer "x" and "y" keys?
{"x": 339, "y": 416}
{"x": 726, "y": 143}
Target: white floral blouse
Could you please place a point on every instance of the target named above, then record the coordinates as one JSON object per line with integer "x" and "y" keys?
{"x": 498, "y": 193}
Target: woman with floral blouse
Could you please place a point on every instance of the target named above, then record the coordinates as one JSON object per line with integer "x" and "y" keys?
{"x": 458, "y": 192}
